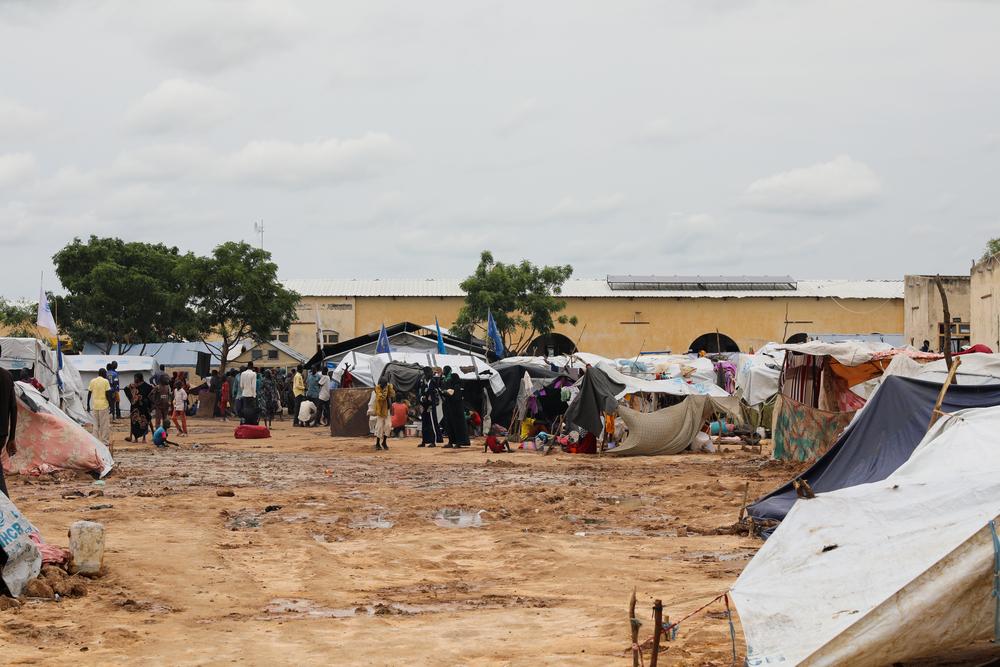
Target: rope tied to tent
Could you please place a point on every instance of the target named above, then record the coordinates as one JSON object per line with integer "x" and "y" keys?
{"x": 996, "y": 582}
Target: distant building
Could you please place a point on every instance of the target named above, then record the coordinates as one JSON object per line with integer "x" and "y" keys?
{"x": 984, "y": 299}
{"x": 271, "y": 354}
{"x": 619, "y": 316}
{"x": 925, "y": 316}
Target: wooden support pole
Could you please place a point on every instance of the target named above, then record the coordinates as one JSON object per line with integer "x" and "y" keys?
{"x": 657, "y": 631}
{"x": 936, "y": 412}
{"x": 743, "y": 506}
{"x": 634, "y": 624}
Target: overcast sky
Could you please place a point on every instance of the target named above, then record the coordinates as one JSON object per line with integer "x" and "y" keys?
{"x": 398, "y": 139}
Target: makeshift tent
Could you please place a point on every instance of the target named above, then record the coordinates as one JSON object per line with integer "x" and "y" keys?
{"x": 89, "y": 364}
{"x": 974, "y": 369}
{"x": 879, "y": 440}
{"x": 182, "y": 354}
{"x": 366, "y": 368}
{"x": 665, "y": 366}
{"x": 403, "y": 337}
{"x": 511, "y": 375}
{"x": 31, "y": 353}
{"x": 48, "y": 440}
{"x": 884, "y": 572}
{"x": 74, "y": 393}
{"x": 758, "y": 376}
{"x": 675, "y": 386}
{"x": 670, "y": 430}
{"x": 597, "y": 396}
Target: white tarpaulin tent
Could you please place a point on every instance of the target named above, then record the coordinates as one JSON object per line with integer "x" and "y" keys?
{"x": 366, "y": 368}
{"x": 888, "y": 571}
{"x": 976, "y": 368}
{"x": 676, "y": 386}
{"x": 849, "y": 353}
{"x": 648, "y": 366}
{"x": 19, "y": 353}
{"x": 87, "y": 365}
{"x": 758, "y": 375}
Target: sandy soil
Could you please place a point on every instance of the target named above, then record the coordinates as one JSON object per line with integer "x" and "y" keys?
{"x": 330, "y": 553}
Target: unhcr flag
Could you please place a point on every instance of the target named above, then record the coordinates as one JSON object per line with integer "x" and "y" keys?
{"x": 383, "y": 342}
{"x": 441, "y": 348}
{"x": 493, "y": 333}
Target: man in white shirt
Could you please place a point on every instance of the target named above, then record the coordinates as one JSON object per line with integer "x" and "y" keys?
{"x": 248, "y": 389}
{"x": 324, "y": 400}
{"x": 307, "y": 412}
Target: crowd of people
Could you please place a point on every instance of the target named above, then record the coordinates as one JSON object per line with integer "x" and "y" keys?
{"x": 254, "y": 395}
{"x": 441, "y": 410}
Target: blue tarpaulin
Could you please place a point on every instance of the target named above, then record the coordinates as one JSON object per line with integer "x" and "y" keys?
{"x": 879, "y": 440}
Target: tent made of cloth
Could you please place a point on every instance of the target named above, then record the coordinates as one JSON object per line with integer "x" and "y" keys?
{"x": 511, "y": 375}
{"x": 888, "y": 571}
{"x": 88, "y": 366}
{"x": 670, "y": 430}
{"x": 856, "y": 362}
{"x": 758, "y": 376}
{"x": 879, "y": 440}
{"x": 49, "y": 440}
{"x": 367, "y": 368}
{"x": 597, "y": 396}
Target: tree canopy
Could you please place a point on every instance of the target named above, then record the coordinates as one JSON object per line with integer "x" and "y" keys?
{"x": 523, "y": 298}
{"x": 124, "y": 292}
{"x": 236, "y": 295}
{"x": 992, "y": 248}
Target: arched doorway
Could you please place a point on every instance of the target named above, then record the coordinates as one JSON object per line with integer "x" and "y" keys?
{"x": 796, "y": 339}
{"x": 550, "y": 345}
{"x": 711, "y": 342}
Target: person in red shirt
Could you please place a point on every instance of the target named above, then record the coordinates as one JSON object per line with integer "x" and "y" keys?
{"x": 400, "y": 415}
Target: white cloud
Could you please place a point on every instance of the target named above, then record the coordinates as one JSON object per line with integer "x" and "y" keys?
{"x": 214, "y": 36}
{"x": 17, "y": 120}
{"x": 178, "y": 104}
{"x": 571, "y": 207}
{"x": 318, "y": 163}
{"x": 839, "y": 185}
{"x": 17, "y": 169}
{"x": 520, "y": 115}
{"x": 161, "y": 162}
{"x": 660, "y": 129}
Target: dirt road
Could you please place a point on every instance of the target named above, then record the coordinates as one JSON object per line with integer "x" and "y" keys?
{"x": 331, "y": 553}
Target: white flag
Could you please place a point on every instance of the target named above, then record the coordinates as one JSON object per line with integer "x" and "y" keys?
{"x": 45, "y": 319}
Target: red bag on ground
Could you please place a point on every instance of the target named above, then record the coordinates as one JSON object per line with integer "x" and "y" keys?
{"x": 251, "y": 431}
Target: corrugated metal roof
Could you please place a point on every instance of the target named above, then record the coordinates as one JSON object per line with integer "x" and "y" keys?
{"x": 595, "y": 288}
{"x": 287, "y": 349}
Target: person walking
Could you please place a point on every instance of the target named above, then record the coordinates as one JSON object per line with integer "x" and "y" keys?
{"x": 113, "y": 380}
{"x": 139, "y": 408}
{"x": 429, "y": 397}
{"x": 179, "y": 414}
{"x": 454, "y": 410}
{"x": 160, "y": 399}
{"x": 298, "y": 393}
{"x": 382, "y": 397}
{"x": 99, "y": 399}
{"x": 8, "y": 419}
{"x": 248, "y": 394}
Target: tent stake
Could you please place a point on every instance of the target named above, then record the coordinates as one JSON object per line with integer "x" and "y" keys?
{"x": 657, "y": 631}
{"x": 936, "y": 412}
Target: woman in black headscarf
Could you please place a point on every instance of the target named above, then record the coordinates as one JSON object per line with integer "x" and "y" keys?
{"x": 454, "y": 410}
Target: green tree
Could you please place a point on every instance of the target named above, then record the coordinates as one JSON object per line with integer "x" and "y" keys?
{"x": 123, "y": 292}
{"x": 523, "y": 298}
{"x": 18, "y": 318}
{"x": 237, "y": 296}
{"x": 992, "y": 248}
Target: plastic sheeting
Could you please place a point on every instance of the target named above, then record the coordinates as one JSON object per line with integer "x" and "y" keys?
{"x": 674, "y": 386}
{"x": 670, "y": 430}
{"x": 366, "y": 368}
{"x": 881, "y": 438}
{"x": 975, "y": 369}
{"x": 758, "y": 375}
{"x": 884, "y": 572}
{"x": 48, "y": 440}
{"x": 24, "y": 561}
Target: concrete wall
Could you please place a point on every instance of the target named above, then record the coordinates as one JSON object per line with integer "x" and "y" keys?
{"x": 667, "y": 323}
{"x": 984, "y": 299}
{"x": 923, "y": 309}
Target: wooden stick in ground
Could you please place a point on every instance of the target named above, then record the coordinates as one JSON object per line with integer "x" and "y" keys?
{"x": 936, "y": 412}
{"x": 743, "y": 506}
{"x": 634, "y": 624}
{"x": 657, "y": 631}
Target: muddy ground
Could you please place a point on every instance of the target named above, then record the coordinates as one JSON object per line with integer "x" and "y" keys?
{"x": 329, "y": 553}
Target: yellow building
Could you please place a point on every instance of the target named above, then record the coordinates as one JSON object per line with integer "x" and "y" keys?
{"x": 984, "y": 300}
{"x": 924, "y": 311}
{"x": 620, "y": 316}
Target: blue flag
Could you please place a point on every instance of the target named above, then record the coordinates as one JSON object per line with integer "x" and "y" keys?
{"x": 383, "y": 342}
{"x": 494, "y": 335}
{"x": 441, "y": 349}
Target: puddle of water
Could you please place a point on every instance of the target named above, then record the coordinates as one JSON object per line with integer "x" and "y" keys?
{"x": 458, "y": 518}
{"x": 308, "y": 609}
{"x": 303, "y": 608}
{"x": 712, "y": 556}
{"x": 377, "y": 522}
{"x": 627, "y": 503}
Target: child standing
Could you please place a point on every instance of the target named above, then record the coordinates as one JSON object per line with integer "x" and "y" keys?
{"x": 179, "y": 414}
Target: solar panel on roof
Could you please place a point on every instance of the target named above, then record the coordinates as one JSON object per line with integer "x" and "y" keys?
{"x": 691, "y": 283}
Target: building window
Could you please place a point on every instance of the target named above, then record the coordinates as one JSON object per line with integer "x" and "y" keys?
{"x": 281, "y": 336}
{"x": 272, "y": 354}
{"x": 330, "y": 337}
{"x": 256, "y": 354}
